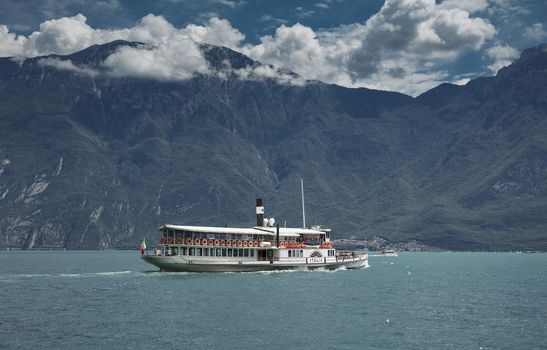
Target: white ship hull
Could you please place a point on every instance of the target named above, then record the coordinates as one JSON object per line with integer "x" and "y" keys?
{"x": 183, "y": 264}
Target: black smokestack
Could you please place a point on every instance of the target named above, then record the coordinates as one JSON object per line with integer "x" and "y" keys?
{"x": 277, "y": 235}
{"x": 259, "y": 212}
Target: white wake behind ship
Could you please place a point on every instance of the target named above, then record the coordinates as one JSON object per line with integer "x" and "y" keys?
{"x": 263, "y": 247}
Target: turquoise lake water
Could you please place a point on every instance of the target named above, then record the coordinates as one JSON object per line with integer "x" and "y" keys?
{"x": 113, "y": 300}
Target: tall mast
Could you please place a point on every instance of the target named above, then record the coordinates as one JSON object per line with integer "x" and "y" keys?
{"x": 303, "y": 208}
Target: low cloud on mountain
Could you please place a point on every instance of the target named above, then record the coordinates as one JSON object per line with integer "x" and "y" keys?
{"x": 502, "y": 55}
{"x": 403, "y": 47}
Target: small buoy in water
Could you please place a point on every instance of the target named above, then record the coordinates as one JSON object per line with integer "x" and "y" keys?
{"x": 387, "y": 320}
{"x": 409, "y": 272}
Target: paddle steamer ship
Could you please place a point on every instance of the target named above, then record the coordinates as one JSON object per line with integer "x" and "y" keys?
{"x": 263, "y": 247}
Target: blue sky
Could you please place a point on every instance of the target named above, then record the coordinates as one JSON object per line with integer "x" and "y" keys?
{"x": 399, "y": 45}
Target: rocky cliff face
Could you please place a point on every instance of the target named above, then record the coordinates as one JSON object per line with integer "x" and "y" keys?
{"x": 88, "y": 160}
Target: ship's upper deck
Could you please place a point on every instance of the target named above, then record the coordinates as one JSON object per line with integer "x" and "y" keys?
{"x": 257, "y": 230}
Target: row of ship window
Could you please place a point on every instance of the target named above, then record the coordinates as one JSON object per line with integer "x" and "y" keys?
{"x": 225, "y": 252}
{"x": 231, "y": 252}
{"x": 293, "y": 253}
{"x": 207, "y": 235}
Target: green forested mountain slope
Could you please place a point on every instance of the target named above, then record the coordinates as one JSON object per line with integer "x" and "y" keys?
{"x": 95, "y": 161}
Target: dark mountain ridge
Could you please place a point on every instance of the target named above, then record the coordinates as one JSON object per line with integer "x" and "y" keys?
{"x": 97, "y": 161}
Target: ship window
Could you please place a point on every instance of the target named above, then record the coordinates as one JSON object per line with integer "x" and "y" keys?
{"x": 198, "y": 252}
{"x": 289, "y": 253}
{"x": 218, "y": 252}
{"x": 229, "y": 251}
{"x": 252, "y": 253}
{"x": 205, "y": 251}
{"x": 191, "y": 251}
{"x": 183, "y": 251}
{"x": 223, "y": 251}
{"x": 241, "y": 252}
{"x": 246, "y": 252}
{"x": 235, "y": 253}
{"x": 301, "y": 253}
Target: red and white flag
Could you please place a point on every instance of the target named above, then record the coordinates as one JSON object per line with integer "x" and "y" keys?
{"x": 143, "y": 245}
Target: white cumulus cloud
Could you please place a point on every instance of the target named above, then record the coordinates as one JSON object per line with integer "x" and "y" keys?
{"x": 503, "y": 55}
{"x": 536, "y": 32}
{"x": 470, "y": 6}
{"x": 172, "y": 54}
{"x": 60, "y": 36}
{"x": 177, "y": 59}
{"x": 10, "y": 43}
{"x": 66, "y": 65}
{"x": 217, "y": 32}
{"x": 399, "y": 48}
{"x": 502, "y": 52}
{"x": 403, "y": 47}
{"x": 296, "y": 48}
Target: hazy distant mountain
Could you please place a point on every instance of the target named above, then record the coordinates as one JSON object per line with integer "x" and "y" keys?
{"x": 88, "y": 160}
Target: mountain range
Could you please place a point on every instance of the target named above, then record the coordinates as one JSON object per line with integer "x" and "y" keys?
{"x": 90, "y": 160}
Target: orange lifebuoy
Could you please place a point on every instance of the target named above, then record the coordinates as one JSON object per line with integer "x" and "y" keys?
{"x": 222, "y": 242}
{"x": 255, "y": 244}
{"x": 216, "y": 243}
{"x": 188, "y": 241}
{"x": 245, "y": 243}
{"x": 204, "y": 242}
{"x": 228, "y": 243}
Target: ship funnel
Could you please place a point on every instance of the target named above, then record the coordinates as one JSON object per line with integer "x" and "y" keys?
{"x": 259, "y": 212}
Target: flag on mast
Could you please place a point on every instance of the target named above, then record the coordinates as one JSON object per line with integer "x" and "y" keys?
{"x": 143, "y": 245}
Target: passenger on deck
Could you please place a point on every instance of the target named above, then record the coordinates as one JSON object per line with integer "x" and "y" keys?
{"x": 168, "y": 253}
